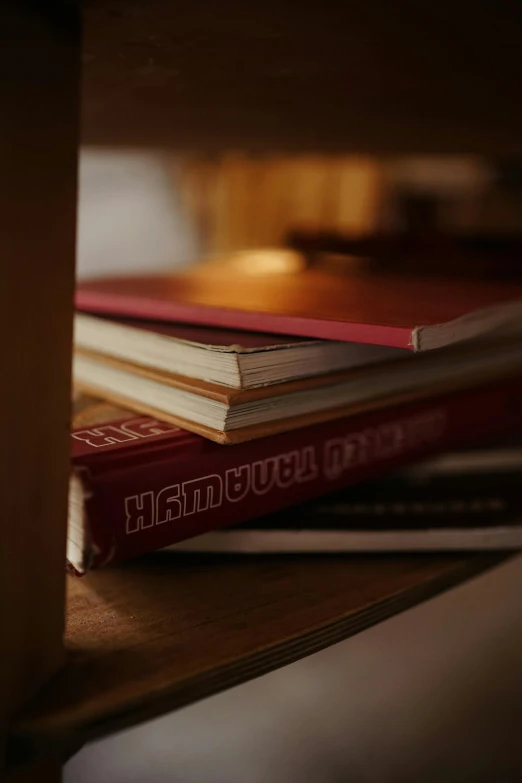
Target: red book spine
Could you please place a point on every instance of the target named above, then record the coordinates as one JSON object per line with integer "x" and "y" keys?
{"x": 148, "y": 485}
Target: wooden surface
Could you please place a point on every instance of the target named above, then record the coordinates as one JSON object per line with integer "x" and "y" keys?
{"x": 161, "y": 632}
{"x": 368, "y": 75}
{"x": 39, "y": 74}
{"x": 42, "y": 771}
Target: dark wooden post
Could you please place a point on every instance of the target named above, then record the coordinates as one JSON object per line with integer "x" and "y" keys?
{"x": 39, "y": 89}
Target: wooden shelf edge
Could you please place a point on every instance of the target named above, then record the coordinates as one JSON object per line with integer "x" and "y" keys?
{"x": 40, "y": 731}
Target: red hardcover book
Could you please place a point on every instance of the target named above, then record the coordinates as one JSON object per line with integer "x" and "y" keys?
{"x": 418, "y": 314}
{"x": 139, "y": 484}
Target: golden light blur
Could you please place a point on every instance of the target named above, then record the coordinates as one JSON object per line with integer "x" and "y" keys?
{"x": 267, "y": 261}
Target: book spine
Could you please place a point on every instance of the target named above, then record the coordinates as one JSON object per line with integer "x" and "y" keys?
{"x": 163, "y": 499}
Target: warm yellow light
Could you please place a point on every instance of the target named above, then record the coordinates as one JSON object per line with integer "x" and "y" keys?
{"x": 260, "y": 262}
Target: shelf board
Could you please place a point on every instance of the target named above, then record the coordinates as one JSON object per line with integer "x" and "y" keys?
{"x": 164, "y": 631}
{"x": 283, "y": 76}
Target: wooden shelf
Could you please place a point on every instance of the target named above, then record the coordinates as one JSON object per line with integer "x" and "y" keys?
{"x": 318, "y": 76}
{"x": 164, "y": 631}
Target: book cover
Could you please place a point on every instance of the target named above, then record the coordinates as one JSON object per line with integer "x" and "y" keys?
{"x": 461, "y": 500}
{"x": 403, "y": 312}
{"x": 139, "y": 484}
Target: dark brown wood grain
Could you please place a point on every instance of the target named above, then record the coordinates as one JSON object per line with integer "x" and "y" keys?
{"x": 165, "y": 631}
{"x": 39, "y": 85}
{"x": 287, "y": 75}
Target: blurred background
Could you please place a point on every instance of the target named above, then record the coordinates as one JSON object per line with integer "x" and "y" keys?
{"x": 435, "y": 692}
{"x": 153, "y": 210}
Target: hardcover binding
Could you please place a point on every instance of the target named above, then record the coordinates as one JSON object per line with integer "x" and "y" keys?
{"x": 397, "y": 311}
{"x": 148, "y": 485}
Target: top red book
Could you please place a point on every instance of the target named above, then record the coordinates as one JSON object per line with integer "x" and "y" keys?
{"x": 419, "y": 314}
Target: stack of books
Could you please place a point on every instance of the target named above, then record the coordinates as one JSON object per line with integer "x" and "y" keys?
{"x": 292, "y": 432}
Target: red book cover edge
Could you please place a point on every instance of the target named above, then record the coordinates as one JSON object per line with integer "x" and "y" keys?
{"x": 228, "y": 318}
{"x": 149, "y": 485}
